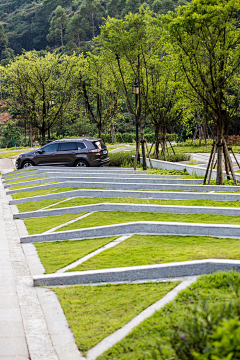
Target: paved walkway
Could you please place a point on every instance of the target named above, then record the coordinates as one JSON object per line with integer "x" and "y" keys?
{"x": 23, "y": 329}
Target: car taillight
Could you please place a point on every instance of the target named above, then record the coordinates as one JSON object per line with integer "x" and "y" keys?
{"x": 95, "y": 151}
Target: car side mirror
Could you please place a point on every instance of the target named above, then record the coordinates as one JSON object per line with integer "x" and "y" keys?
{"x": 40, "y": 151}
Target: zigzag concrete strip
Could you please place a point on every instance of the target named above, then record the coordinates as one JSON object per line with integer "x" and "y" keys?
{"x": 124, "y": 186}
{"x": 175, "y": 209}
{"x": 78, "y": 170}
{"x": 96, "y": 252}
{"x": 139, "y": 227}
{"x": 134, "y": 273}
{"x": 119, "y": 179}
{"x": 145, "y": 176}
{"x": 118, "y": 335}
{"x": 171, "y": 195}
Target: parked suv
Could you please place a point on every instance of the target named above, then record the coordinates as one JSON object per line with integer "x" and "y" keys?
{"x": 68, "y": 152}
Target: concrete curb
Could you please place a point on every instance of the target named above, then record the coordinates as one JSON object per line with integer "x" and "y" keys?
{"x": 119, "y": 179}
{"x": 123, "y": 186}
{"x": 131, "y": 194}
{"x": 131, "y": 208}
{"x": 139, "y": 227}
{"x": 135, "y": 273}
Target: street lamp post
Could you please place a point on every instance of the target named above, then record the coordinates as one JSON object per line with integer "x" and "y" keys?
{"x": 136, "y": 91}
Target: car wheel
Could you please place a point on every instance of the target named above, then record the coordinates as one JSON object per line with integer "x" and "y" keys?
{"x": 27, "y": 164}
{"x": 81, "y": 163}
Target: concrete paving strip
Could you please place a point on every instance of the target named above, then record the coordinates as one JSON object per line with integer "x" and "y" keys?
{"x": 96, "y": 252}
{"x": 175, "y": 209}
{"x": 79, "y": 170}
{"x": 136, "y": 273}
{"x": 66, "y": 223}
{"x": 123, "y": 186}
{"x": 121, "y": 179}
{"x": 171, "y": 195}
{"x": 29, "y": 320}
{"x": 118, "y": 335}
{"x": 139, "y": 227}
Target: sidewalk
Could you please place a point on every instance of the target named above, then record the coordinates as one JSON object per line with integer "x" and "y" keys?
{"x": 23, "y": 329}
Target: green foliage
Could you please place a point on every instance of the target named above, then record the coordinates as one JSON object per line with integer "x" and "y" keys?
{"x": 121, "y": 159}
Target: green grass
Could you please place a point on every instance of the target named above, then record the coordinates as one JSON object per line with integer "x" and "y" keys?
{"x": 10, "y": 154}
{"x": 159, "y": 249}
{"x": 32, "y": 193}
{"x": 119, "y": 217}
{"x": 36, "y": 205}
{"x": 39, "y": 225}
{"x": 144, "y": 339}
{"x": 12, "y": 177}
{"x": 57, "y": 254}
{"x": 32, "y": 185}
{"x": 26, "y": 180}
{"x": 94, "y": 312}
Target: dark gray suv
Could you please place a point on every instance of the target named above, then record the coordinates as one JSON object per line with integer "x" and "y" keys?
{"x": 68, "y": 152}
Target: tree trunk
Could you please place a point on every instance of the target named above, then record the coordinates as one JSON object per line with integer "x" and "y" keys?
{"x": 144, "y": 162}
{"x": 156, "y": 143}
{"x": 31, "y": 138}
{"x": 164, "y": 129}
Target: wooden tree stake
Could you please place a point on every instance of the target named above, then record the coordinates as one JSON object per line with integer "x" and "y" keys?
{"x": 210, "y": 173}
{"x": 150, "y": 162}
{"x": 136, "y": 157}
{"x": 209, "y": 163}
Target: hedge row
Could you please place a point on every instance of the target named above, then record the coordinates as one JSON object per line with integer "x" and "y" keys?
{"x": 131, "y": 137}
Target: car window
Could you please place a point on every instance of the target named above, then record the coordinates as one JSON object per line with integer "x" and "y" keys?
{"x": 99, "y": 145}
{"x": 81, "y": 145}
{"x": 68, "y": 146}
{"x": 50, "y": 148}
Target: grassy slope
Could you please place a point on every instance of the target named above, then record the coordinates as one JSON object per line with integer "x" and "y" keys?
{"x": 40, "y": 192}
{"x": 57, "y": 254}
{"x": 119, "y": 217}
{"x": 36, "y": 205}
{"x": 39, "y": 225}
{"x": 143, "y": 340}
{"x": 26, "y": 180}
{"x": 159, "y": 249}
{"x": 94, "y": 312}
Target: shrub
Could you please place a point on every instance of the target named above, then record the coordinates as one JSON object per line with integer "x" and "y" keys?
{"x": 176, "y": 157}
{"x": 121, "y": 159}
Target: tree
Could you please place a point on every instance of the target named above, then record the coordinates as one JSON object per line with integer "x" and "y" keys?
{"x": 131, "y": 44}
{"x": 205, "y": 39}
{"x": 45, "y": 87}
{"x": 58, "y": 25}
{"x": 99, "y": 91}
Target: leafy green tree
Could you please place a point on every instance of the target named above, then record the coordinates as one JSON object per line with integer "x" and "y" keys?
{"x": 115, "y": 8}
{"x": 74, "y": 32}
{"x": 205, "y": 39}
{"x": 131, "y": 44}
{"x": 99, "y": 91}
{"x": 45, "y": 87}
{"x": 58, "y": 25}
{"x": 91, "y": 13}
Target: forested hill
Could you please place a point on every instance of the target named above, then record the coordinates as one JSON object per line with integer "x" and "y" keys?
{"x": 68, "y": 25}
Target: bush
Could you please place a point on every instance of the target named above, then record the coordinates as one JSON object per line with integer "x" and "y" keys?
{"x": 121, "y": 159}
{"x": 131, "y": 137}
{"x": 209, "y": 332}
{"x": 176, "y": 157}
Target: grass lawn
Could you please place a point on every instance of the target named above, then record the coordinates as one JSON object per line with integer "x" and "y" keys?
{"x": 144, "y": 339}
{"x": 57, "y": 254}
{"x": 36, "y": 205}
{"x": 94, "y": 312}
{"x": 12, "y": 177}
{"x": 159, "y": 249}
{"x": 32, "y": 185}
{"x": 39, "y": 225}
{"x": 26, "y": 180}
{"x": 40, "y": 192}
{"x": 10, "y": 154}
{"x": 118, "y": 217}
